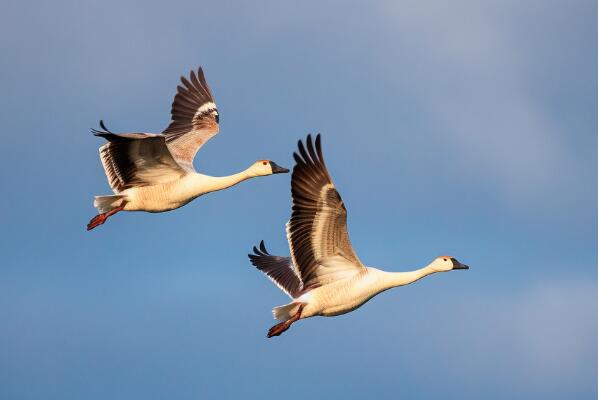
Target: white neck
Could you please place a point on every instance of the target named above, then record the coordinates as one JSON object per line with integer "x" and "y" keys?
{"x": 205, "y": 184}
{"x": 393, "y": 279}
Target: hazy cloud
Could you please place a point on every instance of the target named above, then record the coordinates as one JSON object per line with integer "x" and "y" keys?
{"x": 474, "y": 77}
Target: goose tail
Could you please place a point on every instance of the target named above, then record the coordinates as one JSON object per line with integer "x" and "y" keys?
{"x": 286, "y": 312}
{"x": 108, "y": 203}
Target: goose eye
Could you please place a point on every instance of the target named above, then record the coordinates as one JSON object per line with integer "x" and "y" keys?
{"x": 445, "y": 259}
{"x": 264, "y": 163}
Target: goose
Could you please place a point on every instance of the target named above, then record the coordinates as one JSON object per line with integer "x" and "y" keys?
{"x": 323, "y": 276}
{"x": 154, "y": 172}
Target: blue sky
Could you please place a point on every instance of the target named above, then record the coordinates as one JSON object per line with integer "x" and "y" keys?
{"x": 466, "y": 128}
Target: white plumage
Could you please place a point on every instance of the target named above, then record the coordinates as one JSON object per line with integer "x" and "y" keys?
{"x": 154, "y": 172}
{"x": 324, "y": 276}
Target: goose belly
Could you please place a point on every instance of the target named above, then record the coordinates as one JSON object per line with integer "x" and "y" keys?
{"x": 341, "y": 297}
{"x": 157, "y": 198}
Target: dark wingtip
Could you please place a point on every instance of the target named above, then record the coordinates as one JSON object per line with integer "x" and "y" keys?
{"x": 252, "y": 259}
{"x": 257, "y": 253}
{"x": 311, "y": 150}
{"x": 308, "y": 142}
{"x": 254, "y": 256}
{"x": 302, "y": 149}
{"x": 185, "y": 81}
{"x": 261, "y": 251}
{"x": 319, "y": 148}
{"x": 100, "y": 133}
{"x": 297, "y": 158}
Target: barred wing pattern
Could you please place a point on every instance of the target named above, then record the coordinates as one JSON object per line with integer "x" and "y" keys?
{"x": 317, "y": 231}
{"x": 279, "y": 269}
{"x": 136, "y": 159}
{"x": 194, "y": 119}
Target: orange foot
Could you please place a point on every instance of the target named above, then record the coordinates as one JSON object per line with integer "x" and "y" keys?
{"x": 278, "y": 329}
{"x": 96, "y": 221}
{"x": 101, "y": 218}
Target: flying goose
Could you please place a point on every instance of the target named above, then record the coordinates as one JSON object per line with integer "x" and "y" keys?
{"x": 324, "y": 276}
{"x": 154, "y": 172}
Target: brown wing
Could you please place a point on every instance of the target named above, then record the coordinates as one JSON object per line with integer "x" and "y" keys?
{"x": 279, "y": 269}
{"x": 136, "y": 159}
{"x": 317, "y": 230}
{"x": 194, "y": 119}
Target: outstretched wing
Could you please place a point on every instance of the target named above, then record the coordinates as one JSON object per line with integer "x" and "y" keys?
{"x": 279, "y": 269}
{"x": 136, "y": 159}
{"x": 194, "y": 119}
{"x": 317, "y": 231}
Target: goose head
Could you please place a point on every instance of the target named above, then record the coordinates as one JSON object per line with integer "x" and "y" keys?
{"x": 266, "y": 167}
{"x": 447, "y": 263}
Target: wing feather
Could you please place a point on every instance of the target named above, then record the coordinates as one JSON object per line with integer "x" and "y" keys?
{"x": 194, "y": 119}
{"x": 317, "y": 231}
{"x": 136, "y": 159}
{"x": 280, "y": 270}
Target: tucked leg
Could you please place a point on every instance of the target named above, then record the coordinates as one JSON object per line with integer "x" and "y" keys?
{"x": 278, "y": 329}
{"x": 101, "y": 218}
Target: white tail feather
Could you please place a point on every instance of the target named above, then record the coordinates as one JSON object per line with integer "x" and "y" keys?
{"x": 286, "y": 312}
{"x": 107, "y": 203}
